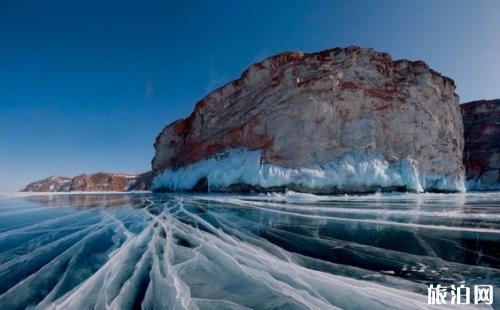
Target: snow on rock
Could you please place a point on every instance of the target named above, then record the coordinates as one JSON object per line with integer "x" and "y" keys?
{"x": 482, "y": 144}
{"x": 342, "y": 120}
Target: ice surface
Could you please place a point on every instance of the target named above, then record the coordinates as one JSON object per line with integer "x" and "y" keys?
{"x": 351, "y": 173}
{"x": 268, "y": 251}
{"x": 479, "y": 186}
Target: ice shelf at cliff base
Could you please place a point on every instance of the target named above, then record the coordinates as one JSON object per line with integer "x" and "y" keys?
{"x": 241, "y": 170}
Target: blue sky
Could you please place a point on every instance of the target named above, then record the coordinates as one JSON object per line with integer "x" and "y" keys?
{"x": 86, "y": 86}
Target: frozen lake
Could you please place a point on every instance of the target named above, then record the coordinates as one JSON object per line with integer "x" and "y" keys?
{"x": 279, "y": 251}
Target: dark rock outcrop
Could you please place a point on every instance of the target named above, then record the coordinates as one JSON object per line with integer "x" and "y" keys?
{"x": 98, "y": 182}
{"x": 482, "y": 144}
{"x": 341, "y": 120}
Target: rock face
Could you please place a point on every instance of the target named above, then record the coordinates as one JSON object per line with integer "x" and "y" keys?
{"x": 98, "y": 182}
{"x": 482, "y": 144}
{"x": 341, "y": 120}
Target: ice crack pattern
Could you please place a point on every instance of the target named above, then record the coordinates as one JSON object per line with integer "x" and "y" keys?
{"x": 277, "y": 251}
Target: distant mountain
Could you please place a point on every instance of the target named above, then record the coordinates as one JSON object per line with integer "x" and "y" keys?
{"x": 51, "y": 184}
{"x": 98, "y": 182}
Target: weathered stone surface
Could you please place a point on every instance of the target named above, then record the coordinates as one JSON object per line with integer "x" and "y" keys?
{"x": 98, "y": 182}
{"x": 482, "y": 144}
{"x": 399, "y": 121}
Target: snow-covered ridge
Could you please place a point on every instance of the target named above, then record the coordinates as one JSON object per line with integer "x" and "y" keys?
{"x": 350, "y": 173}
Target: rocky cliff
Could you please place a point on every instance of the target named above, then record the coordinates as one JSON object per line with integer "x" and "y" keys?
{"x": 98, "y": 182}
{"x": 482, "y": 144}
{"x": 340, "y": 120}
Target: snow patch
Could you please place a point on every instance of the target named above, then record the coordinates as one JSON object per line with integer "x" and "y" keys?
{"x": 350, "y": 173}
